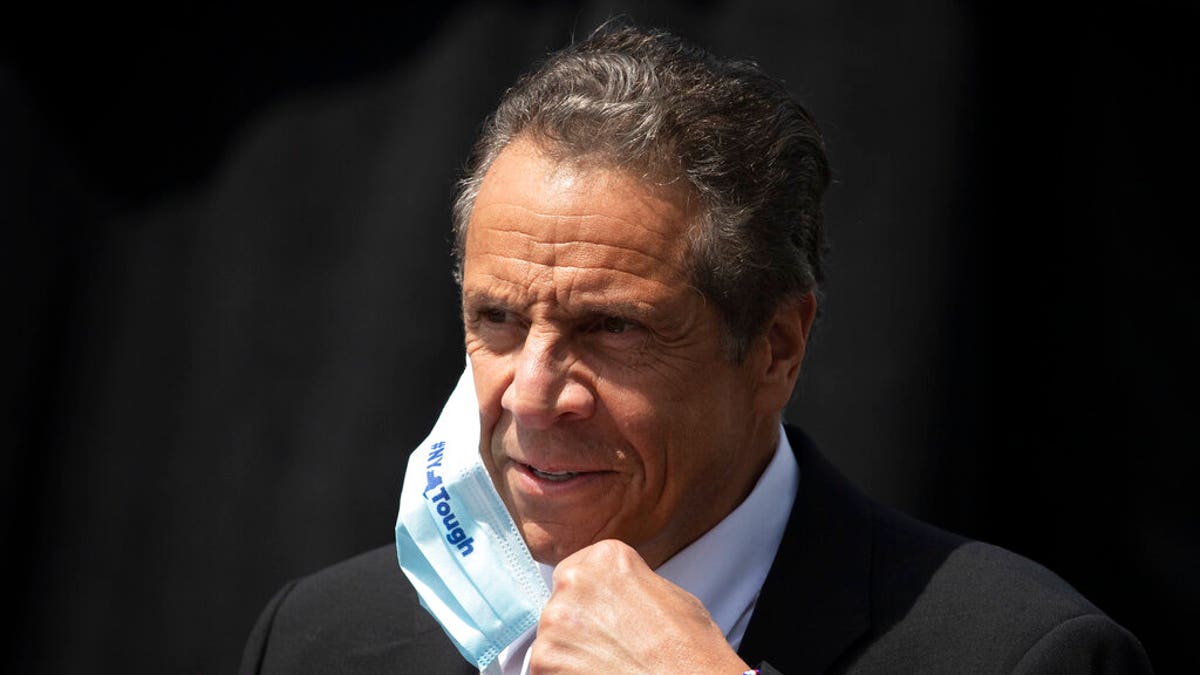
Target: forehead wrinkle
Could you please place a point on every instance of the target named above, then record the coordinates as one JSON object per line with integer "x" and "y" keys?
{"x": 572, "y": 290}
{"x": 585, "y": 217}
{"x": 610, "y": 266}
{"x": 577, "y": 294}
{"x": 584, "y": 256}
{"x": 583, "y": 227}
{"x": 501, "y": 290}
{"x": 571, "y": 245}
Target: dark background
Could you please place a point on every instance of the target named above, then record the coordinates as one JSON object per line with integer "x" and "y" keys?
{"x": 231, "y": 315}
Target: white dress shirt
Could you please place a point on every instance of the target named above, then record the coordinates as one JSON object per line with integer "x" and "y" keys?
{"x": 725, "y": 568}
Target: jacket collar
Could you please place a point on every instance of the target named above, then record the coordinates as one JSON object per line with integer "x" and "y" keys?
{"x": 815, "y": 602}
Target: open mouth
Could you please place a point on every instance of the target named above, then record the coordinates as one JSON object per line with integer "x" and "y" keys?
{"x": 552, "y": 476}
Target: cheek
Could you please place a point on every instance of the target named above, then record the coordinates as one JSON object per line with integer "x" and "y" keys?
{"x": 491, "y": 379}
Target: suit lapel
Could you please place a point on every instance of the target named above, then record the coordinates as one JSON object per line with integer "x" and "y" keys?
{"x": 815, "y": 603}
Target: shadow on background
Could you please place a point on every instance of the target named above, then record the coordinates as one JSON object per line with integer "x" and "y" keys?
{"x": 228, "y": 280}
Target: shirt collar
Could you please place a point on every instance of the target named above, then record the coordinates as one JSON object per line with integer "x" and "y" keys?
{"x": 726, "y": 567}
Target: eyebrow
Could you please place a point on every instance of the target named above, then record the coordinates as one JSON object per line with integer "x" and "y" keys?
{"x": 474, "y": 298}
{"x": 638, "y": 311}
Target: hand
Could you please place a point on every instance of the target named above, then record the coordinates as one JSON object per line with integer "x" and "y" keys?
{"x": 610, "y": 613}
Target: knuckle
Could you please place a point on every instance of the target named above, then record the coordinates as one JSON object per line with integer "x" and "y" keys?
{"x": 554, "y": 614}
{"x": 618, "y": 556}
{"x": 612, "y": 548}
{"x": 538, "y": 662}
{"x": 566, "y": 576}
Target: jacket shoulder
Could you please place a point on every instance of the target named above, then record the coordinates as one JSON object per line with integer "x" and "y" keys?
{"x": 360, "y": 616}
{"x": 860, "y": 587}
{"x": 943, "y": 603}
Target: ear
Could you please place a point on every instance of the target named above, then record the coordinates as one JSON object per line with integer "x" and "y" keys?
{"x": 786, "y": 338}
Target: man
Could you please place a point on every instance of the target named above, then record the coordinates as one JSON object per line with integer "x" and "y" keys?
{"x": 639, "y": 240}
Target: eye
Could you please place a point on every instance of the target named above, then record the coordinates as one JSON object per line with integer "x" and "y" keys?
{"x": 614, "y": 324}
{"x": 493, "y": 315}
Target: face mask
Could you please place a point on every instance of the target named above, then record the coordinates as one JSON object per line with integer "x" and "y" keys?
{"x": 457, "y": 543}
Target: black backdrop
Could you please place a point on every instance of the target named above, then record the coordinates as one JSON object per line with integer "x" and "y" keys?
{"x": 230, "y": 311}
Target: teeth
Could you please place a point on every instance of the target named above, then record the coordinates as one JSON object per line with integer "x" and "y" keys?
{"x": 566, "y": 475}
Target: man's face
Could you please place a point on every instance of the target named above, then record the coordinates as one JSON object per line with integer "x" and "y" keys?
{"x": 608, "y": 408}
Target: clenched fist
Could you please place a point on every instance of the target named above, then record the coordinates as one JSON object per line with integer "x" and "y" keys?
{"x": 610, "y": 613}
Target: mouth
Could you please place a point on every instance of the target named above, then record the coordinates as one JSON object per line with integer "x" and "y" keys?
{"x": 552, "y": 476}
{"x": 557, "y": 478}
{"x": 556, "y": 487}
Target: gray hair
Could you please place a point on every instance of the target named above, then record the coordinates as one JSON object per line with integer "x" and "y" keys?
{"x": 648, "y": 101}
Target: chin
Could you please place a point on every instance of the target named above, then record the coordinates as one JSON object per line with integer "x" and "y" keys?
{"x": 547, "y": 549}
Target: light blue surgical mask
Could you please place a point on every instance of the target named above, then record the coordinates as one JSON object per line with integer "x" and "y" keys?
{"x": 457, "y": 543}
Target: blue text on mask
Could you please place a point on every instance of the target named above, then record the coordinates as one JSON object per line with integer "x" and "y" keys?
{"x": 454, "y": 533}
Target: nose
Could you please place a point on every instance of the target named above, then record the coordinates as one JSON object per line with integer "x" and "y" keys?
{"x": 543, "y": 391}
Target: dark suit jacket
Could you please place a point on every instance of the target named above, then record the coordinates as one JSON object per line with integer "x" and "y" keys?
{"x": 856, "y": 587}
